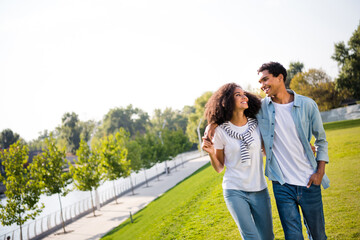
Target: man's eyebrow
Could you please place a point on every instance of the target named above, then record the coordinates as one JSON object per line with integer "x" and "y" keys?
{"x": 264, "y": 78}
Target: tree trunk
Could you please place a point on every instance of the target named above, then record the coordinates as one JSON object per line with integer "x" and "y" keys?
{"x": 147, "y": 185}
{"x": 115, "y": 193}
{"x": 21, "y": 236}
{"x": 61, "y": 214}
{"x": 132, "y": 186}
{"x": 92, "y": 203}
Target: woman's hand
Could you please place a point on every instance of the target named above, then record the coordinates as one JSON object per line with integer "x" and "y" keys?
{"x": 208, "y": 146}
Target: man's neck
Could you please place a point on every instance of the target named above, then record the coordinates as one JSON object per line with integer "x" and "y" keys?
{"x": 283, "y": 97}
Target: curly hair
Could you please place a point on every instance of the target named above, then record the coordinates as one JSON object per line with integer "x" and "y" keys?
{"x": 274, "y": 68}
{"x": 220, "y": 106}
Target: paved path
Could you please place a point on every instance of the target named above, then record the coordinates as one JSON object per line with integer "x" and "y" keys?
{"x": 111, "y": 215}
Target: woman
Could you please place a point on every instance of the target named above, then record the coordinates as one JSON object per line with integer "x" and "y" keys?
{"x": 237, "y": 145}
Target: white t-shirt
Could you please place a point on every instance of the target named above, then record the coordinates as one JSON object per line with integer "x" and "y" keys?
{"x": 288, "y": 149}
{"x": 237, "y": 175}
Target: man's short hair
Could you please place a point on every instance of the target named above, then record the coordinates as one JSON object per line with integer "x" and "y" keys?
{"x": 274, "y": 68}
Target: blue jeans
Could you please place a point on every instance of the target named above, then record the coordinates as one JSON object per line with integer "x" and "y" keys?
{"x": 251, "y": 212}
{"x": 288, "y": 199}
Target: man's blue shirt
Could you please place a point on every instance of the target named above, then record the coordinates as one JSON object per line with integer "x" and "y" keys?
{"x": 307, "y": 119}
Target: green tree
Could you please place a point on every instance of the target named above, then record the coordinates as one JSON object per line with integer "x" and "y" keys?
{"x": 194, "y": 118}
{"x": 131, "y": 119}
{"x": 70, "y": 131}
{"x": 8, "y": 137}
{"x": 348, "y": 59}
{"x": 317, "y": 85}
{"x": 174, "y": 119}
{"x": 294, "y": 68}
{"x": 49, "y": 167}
{"x": 175, "y": 143}
{"x": 87, "y": 173}
{"x": 39, "y": 143}
{"x": 113, "y": 155}
{"x": 22, "y": 190}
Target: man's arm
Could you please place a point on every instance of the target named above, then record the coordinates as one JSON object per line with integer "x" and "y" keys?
{"x": 321, "y": 147}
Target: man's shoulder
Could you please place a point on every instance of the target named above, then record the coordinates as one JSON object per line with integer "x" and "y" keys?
{"x": 304, "y": 100}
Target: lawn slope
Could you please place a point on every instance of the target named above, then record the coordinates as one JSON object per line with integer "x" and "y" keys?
{"x": 195, "y": 209}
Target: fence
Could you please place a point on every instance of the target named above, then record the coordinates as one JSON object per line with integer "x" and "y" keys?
{"x": 50, "y": 223}
{"x": 343, "y": 113}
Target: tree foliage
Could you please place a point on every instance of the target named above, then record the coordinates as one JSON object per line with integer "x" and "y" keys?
{"x": 194, "y": 118}
{"x": 8, "y": 137}
{"x": 317, "y": 85}
{"x": 348, "y": 59}
{"x": 113, "y": 156}
{"x": 131, "y": 119}
{"x": 174, "y": 120}
{"x": 294, "y": 68}
{"x": 49, "y": 168}
{"x": 22, "y": 190}
{"x": 86, "y": 172}
{"x": 70, "y": 131}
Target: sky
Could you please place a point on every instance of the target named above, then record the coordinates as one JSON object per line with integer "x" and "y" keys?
{"x": 88, "y": 56}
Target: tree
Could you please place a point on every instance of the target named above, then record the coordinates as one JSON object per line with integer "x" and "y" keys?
{"x": 195, "y": 117}
{"x": 113, "y": 156}
{"x": 348, "y": 59}
{"x": 174, "y": 119}
{"x": 147, "y": 152}
{"x": 131, "y": 119}
{"x": 70, "y": 131}
{"x": 87, "y": 174}
{"x": 317, "y": 85}
{"x": 294, "y": 68}
{"x": 49, "y": 168}
{"x": 39, "y": 143}
{"x": 8, "y": 137}
{"x": 176, "y": 142}
{"x": 22, "y": 190}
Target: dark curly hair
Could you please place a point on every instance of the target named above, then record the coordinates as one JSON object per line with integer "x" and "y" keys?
{"x": 220, "y": 106}
{"x": 274, "y": 68}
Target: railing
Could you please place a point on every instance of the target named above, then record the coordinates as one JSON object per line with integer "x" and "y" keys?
{"x": 48, "y": 224}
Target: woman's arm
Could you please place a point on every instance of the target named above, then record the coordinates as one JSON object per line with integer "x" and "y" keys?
{"x": 216, "y": 155}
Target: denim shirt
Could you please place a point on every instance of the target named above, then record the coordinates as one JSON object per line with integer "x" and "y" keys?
{"x": 307, "y": 119}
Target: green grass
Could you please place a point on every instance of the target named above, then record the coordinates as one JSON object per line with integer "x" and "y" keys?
{"x": 195, "y": 208}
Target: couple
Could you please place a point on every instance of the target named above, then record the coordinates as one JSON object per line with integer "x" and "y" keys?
{"x": 282, "y": 125}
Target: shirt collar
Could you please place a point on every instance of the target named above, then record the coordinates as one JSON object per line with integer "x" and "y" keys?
{"x": 296, "y": 100}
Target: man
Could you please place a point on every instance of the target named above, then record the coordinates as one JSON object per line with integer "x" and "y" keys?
{"x": 287, "y": 122}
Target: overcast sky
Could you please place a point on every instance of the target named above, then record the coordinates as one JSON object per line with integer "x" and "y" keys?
{"x": 90, "y": 56}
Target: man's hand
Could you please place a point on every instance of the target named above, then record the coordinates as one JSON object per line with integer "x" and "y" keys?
{"x": 317, "y": 177}
{"x": 210, "y": 132}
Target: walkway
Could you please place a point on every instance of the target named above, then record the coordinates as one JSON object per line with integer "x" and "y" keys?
{"x": 111, "y": 215}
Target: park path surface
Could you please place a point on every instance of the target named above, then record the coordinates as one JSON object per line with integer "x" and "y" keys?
{"x": 112, "y": 214}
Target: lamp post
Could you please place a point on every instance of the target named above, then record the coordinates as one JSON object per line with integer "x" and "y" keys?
{"x": 198, "y": 132}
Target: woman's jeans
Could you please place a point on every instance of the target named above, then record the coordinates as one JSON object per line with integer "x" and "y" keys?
{"x": 288, "y": 199}
{"x": 251, "y": 212}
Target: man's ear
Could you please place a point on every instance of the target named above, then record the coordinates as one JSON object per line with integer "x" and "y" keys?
{"x": 281, "y": 77}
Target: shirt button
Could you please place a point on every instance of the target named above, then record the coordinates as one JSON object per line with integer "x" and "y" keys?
{"x": 270, "y": 147}
{"x": 271, "y": 135}
{"x": 272, "y": 124}
{"x": 273, "y": 111}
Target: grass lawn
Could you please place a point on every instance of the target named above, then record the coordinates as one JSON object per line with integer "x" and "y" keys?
{"x": 195, "y": 208}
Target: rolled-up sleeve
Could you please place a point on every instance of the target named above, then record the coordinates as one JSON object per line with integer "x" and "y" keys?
{"x": 320, "y": 137}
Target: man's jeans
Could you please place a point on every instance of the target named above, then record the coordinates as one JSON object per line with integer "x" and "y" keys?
{"x": 288, "y": 199}
{"x": 251, "y": 212}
